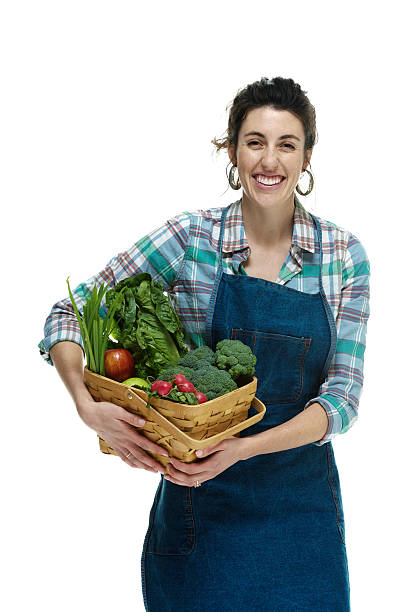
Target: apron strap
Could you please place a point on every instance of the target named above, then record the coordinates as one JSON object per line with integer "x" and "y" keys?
{"x": 329, "y": 312}
{"x": 208, "y": 331}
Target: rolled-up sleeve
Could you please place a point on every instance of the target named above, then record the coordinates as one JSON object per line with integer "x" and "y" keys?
{"x": 340, "y": 393}
{"x": 159, "y": 253}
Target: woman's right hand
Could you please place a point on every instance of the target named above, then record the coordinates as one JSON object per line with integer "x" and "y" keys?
{"x": 116, "y": 426}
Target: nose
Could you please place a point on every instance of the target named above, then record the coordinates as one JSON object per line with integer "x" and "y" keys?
{"x": 270, "y": 158}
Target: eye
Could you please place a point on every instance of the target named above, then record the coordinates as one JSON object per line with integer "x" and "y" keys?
{"x": 287, "y": 144}
{"x": 254, "y": 142}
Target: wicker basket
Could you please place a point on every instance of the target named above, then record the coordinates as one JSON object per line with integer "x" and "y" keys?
{"x": 180, "y": 428}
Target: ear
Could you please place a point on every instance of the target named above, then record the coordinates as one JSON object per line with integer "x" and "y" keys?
{"x": 307, "y": 159}
{"x": 231, "y": 154}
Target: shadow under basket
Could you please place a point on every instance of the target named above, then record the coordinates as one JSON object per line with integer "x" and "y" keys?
{"x": 180, "y": 429}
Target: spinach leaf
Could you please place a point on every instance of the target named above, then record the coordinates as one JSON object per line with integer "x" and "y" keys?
{"x": 146, "y": 324}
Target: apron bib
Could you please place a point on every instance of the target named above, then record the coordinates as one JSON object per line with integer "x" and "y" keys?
{"x": 267, "y": 534}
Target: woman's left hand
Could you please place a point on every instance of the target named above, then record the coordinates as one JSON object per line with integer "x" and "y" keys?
{"x": 222, "y": 456}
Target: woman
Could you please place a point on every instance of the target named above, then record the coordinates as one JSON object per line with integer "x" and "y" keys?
{"x": 257, "y": 522}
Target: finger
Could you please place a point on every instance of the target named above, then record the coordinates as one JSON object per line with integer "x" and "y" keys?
{"x": 189, "y": 478}
{"x": 146, "y": 462}
{"x": 204, "y": 452}
{"x": 133, "y": 461}
{"x": 186, "y": 482}
{"x": 187, "y": 468}
{"x": 176, "y": 481}
{"x": 137, "y": 458}
{"x": 147, "y": 445}
{"x": 130, "y": 418}
{"x": 139, "y": 455}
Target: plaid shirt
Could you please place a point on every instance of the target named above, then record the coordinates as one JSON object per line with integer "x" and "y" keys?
{"x": 183, "y": 254}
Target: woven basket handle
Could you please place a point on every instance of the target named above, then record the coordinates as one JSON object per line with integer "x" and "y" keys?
{"x": 192, "y": 442}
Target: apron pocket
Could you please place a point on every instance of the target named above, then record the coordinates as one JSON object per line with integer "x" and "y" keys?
{"x": 279, "y": 363}
{"x": 171, "y": 528}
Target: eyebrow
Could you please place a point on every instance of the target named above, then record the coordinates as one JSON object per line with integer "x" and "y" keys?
{"x": 280, "y": 137}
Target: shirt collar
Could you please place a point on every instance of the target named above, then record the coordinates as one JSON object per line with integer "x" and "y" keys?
{"x": 235, "y": 238}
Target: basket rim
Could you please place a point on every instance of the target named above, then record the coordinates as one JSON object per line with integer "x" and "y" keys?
{"x": 144, "y": 394}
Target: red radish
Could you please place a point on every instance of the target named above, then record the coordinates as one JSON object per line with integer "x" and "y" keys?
{"x": 201, "y": 397}
{"x": 186, "y": 387}
{"x": 119, "y": 364}
{"x": 179, "y": 379}
{"x": 163, "y": 387}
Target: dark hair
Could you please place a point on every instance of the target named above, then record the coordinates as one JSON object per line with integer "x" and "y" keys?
{"x": 279, "y": 93}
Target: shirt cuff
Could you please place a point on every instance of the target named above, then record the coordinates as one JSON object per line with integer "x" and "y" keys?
{"x": 335, "y": 425}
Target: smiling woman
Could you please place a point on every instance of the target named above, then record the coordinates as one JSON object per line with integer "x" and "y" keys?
{"x": 257, "y": 522}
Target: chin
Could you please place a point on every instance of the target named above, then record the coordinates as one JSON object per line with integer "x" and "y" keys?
{"x": 267, "y": 200}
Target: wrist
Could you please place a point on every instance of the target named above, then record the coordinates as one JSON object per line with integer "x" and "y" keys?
{"x": 248, "y": 448}
{"x": 86, "y": 410}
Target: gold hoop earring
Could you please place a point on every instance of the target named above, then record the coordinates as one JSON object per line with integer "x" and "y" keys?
{"x": 234, "y": 183}
{"x": 311, "y": 183}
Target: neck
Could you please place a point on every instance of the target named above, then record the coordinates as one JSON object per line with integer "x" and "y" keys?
{"x": 268, "y": 226}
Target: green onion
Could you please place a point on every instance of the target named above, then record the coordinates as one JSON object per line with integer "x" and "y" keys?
{"x": 95, "y": 329}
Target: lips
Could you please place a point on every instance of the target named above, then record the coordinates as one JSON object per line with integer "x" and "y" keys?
{"x": 269, "y": 175}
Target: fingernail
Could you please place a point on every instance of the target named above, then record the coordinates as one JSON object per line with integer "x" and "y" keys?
{"x": 164, "y": 454}
{"x": 141, "y": 421}
{"x": 199, "y": 453}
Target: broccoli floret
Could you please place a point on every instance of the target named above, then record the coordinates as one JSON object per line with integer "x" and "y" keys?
{"x": 212, "y": 382}
{"x": 204, "y": 352}
{"x": 170, "y": 371}
{"x": 198, "y": 357}
{"x": 236, "y": 358}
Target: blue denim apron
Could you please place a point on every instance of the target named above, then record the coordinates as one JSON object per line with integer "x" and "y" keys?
{"x": 267, "y": 534}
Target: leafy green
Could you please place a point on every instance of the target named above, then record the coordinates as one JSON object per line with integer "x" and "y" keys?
{"x": 146, "y": 324}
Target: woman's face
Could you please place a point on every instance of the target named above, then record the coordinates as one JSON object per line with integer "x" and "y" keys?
{"x": 270, "y": 148}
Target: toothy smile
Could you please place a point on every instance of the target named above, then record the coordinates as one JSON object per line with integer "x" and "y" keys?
{"x": 269, "y": 180}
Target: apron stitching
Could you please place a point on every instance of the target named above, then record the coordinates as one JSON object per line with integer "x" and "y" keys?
{"x": 334, "y": 493}
{"x": 145, "y": 544}
{"x": 191, "y": 532}
{"x": 189, "y": 508}
{"x": 307, "y": 345}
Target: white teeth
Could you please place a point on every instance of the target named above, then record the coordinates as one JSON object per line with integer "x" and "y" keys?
{"x": 268, "y": 181}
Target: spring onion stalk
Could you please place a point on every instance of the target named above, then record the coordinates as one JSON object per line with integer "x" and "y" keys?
{"x": 95, "y": 341}
{"x": 107, "y": 328}
{"x": 100, "y": 352}
{"x": 95, "y": 330}
{"x": 84, "y": 333}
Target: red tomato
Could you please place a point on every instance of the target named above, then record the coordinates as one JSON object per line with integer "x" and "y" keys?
{"x": 119, "y": 364}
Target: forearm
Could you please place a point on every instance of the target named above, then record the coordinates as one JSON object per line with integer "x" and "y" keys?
{"x": 69, "y": 363}
{"x": 308, "y": 426}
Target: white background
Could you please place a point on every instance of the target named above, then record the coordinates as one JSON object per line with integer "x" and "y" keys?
{"x": 107, "y": 113}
